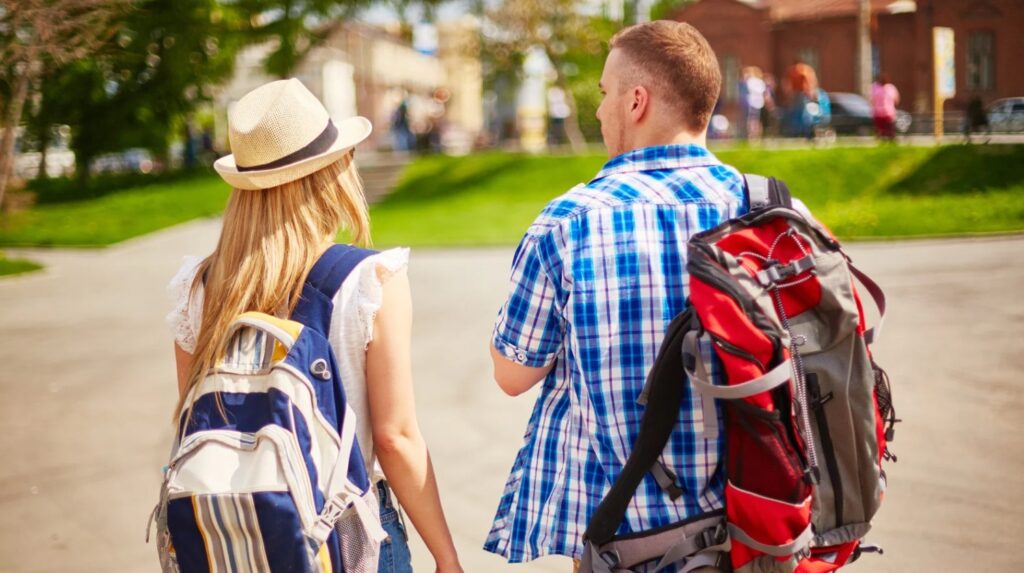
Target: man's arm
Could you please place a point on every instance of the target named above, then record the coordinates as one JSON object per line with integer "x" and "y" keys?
{"x": 515, "y": 379}
{"x": 528, "y": 334}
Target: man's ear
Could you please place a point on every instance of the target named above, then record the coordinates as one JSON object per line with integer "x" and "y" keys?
{"x": 641, "y": 100}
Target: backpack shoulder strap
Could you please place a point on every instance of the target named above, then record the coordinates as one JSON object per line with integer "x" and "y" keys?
{"x": 664, "y": 395}
{"x": 323, "y": 281}
{"x": 762, "y": 192}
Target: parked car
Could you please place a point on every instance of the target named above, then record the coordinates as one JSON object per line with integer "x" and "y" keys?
{"x": 851, "y": 115}
{"x": 1006, "y": 114}
{"x": 134, "y": 160}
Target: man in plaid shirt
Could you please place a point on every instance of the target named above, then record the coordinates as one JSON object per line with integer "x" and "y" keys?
{"x": 595, "y": 282}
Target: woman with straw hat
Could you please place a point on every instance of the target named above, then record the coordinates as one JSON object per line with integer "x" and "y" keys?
{"x": 295, "y": 184}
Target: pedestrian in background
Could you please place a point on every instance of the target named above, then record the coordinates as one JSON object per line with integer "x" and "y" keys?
{"x": 402, "y": 138}
{"x": 802, "y": 84}
{"x": 769, "y": 117}
{"x": 754, "y": 101}
{"x": 976, "y": 120}
{"x": 884, "y": 99}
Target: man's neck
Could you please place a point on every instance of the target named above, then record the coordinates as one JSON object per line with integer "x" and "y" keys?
{"x": 677, "y": 138}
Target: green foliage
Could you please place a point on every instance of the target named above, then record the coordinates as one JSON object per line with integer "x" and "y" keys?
{"x": 586, "y": 62}
{"x": 663, "y": 9}
{"x": 294, "y": 25}
{"x": 65, "y": 190}
{"x": 574, "y": 43}
{"x": 16, "y": 266}
{"x": 160, "y": 65}
{"x": 297, "y": 26}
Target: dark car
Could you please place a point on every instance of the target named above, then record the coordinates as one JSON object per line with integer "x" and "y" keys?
{"x": 851, "y": 115}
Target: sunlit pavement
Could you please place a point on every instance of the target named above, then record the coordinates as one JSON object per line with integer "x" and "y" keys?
{"x": 88, "y": 385}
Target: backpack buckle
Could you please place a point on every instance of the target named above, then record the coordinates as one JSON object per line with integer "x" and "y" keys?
{"x": 712, "y": 536}
{"x": 610, "y": 557}
{"x": 775, "y": 273}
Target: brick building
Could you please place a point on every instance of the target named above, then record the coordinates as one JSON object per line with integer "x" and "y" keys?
{"x": 772, "y": 34}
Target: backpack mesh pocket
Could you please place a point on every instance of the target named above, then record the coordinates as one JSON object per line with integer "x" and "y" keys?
{"x": 359, "y": 551}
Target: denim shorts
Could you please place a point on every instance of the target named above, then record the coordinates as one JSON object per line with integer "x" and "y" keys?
{"x": 394, "y": 551}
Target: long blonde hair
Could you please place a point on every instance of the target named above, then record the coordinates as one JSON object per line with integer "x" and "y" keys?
{"x": 269, "y": 241}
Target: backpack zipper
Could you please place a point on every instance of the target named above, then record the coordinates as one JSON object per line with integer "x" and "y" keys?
{"x": 831, "y": 465}
{"x": 289, "y": 460}
{"x": 735, "y": 350}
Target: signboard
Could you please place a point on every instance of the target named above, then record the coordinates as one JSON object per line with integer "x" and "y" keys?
{"x": 944, "y": 71}
{"x": 945, "y": 65}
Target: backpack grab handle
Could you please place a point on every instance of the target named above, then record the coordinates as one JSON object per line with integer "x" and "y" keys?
{"x": 877, "y": 295}
{"x": 284, "y": 331}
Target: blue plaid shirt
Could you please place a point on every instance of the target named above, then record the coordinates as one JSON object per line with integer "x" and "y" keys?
{"x": 595, "y": 283}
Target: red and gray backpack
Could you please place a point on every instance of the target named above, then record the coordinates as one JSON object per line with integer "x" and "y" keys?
{"x": 807, "y": 414}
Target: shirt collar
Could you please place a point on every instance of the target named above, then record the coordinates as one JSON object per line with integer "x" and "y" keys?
{"x": 658, "y": 157}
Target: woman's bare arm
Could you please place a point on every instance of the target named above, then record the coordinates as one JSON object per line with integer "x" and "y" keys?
{"x": 183, "y": 363}
{"x": 396, "y": 434}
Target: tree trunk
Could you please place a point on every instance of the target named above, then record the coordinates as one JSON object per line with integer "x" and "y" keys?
{"x": 11, "y": 130}
{"x": 572, "y": 123}
{"x": 82, "y": 174}
{"x": 44, "y": 142}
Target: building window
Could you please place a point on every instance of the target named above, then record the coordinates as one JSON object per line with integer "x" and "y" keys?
{"x": 981, "y": 61}
{"x": 730, "y": 78}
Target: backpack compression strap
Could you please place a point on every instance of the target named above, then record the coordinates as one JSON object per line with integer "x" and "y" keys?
{"x": 762, "y": 192}
{"x": 323, "y": 281}
{"x": 664, "y": 395}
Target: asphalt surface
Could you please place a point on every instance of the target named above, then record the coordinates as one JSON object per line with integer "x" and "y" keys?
{"x": 88, "y": 384}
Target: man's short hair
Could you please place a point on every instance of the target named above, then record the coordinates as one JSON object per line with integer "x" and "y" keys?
{"x": 674, "y": 59}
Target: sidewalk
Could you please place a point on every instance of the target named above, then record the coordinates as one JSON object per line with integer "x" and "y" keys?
{"x": 88, "y": 382}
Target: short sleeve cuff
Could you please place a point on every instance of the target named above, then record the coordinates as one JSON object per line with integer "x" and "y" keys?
{"x": 521, "y": 356}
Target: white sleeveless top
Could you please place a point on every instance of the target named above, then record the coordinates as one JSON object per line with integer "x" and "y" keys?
{"x": 355, "y": 307}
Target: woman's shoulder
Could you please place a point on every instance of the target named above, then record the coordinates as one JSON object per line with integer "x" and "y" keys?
{"x": 185, "y": 274}
{"x": 367, "y": 293}
{"x": 386, "y": 263}
{"x": 374, "y": 271}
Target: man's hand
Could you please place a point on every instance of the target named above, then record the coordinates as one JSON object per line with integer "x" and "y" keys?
{"x": 514, "y": 379}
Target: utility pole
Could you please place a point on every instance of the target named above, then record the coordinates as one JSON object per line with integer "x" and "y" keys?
{"x": 864, "y": 48}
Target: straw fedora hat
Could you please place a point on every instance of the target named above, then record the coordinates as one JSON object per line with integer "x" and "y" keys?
{"x": 280, "y": 132}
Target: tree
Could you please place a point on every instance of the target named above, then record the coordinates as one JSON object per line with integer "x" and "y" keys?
{"x": 558, "y": 27}
{"x": 38, "y": 33}
{"x": 664, "y": 9}
{"x": 297, "y": 26}
{"x": 139, "y": 85}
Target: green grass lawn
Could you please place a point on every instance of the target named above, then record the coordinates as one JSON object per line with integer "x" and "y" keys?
{"x": 16, "y": 266}
{"x": 115, "y": 216}
{"x": 877, "y": 192}
{"x": 490, "y": 198}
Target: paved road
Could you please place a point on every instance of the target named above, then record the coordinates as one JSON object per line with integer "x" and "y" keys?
{"x": 87, "y": 381}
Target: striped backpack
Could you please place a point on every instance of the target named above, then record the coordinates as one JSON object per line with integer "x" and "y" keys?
{"x": 266, "y": 473}
{"x": 806, "y": 412}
